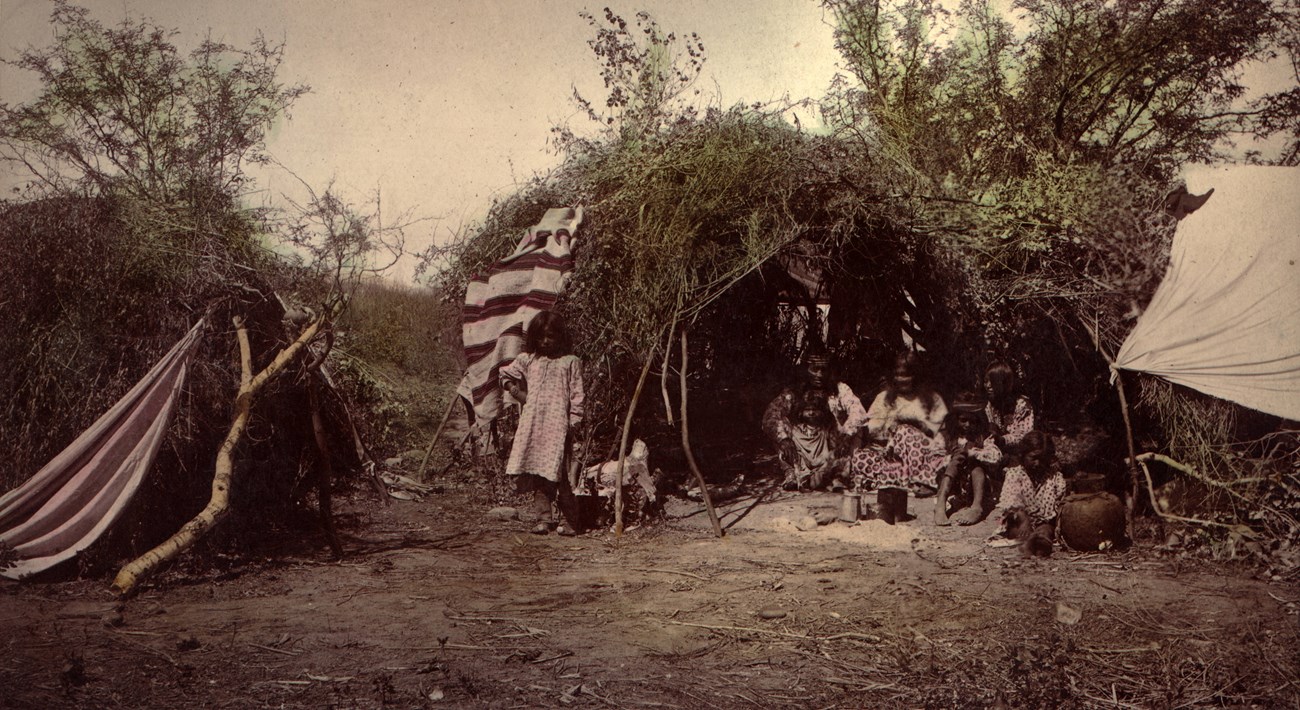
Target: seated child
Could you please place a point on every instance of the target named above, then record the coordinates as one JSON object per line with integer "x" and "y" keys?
{"x": 1034, "y": 490}
{"x": 972, "y": 454}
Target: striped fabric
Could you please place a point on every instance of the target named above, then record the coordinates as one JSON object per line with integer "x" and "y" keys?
{"x": 501, "y": 302}
{"x": 74, "y": 498}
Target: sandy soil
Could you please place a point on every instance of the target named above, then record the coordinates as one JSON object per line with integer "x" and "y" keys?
{"x": 436, "y": 605}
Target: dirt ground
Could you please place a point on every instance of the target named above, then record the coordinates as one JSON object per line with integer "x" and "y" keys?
{"x": 438, "y": 605}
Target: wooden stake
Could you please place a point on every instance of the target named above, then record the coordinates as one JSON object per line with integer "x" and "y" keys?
{"x": 419, "y": 475}
{"x": 663, "y": 372}
{"x": 324, "y": 468}
{"x": 1134, "y": 484}
{"x": 686, "y": 446}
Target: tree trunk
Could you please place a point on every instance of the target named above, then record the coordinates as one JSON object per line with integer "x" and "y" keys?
{"x": 219, "y": 504}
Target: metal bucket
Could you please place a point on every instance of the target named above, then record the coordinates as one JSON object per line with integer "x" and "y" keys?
{"x": 851, "y": 506}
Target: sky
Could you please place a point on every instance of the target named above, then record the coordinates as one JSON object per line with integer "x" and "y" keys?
{"x": 441, "y": 106}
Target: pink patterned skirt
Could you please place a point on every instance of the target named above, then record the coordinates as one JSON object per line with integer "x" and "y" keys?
{"x": 906, "y": 461}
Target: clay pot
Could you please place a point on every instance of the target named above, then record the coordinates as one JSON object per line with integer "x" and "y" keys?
{"x": 1092, "y": 521}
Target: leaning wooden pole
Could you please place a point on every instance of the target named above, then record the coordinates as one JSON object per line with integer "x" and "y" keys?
{"x": 324, "y": 467}
{"x": 663, "y": 371}
{"x": 1134, "y": 482}
{"x": 219, "y": 504}
{"x": 622, "y": 446}
{"x": 686, "y": 446}
{"x": 1135, "y": 485}
{"x": 436, "y": 435}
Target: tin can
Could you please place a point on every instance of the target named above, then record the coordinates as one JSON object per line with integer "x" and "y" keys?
{"x": 851, "y": 506}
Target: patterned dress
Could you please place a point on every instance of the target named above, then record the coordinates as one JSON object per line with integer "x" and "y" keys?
{"x": 986, "y": 452}
{"x": 1013, "y": 426}
{"x": 818, "y": 447}
{"x": 553, "y": 406}
{"x": 911, "y": 454}
{"x": 1042, "y": 503}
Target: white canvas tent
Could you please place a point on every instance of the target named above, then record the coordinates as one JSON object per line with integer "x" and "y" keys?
{"x": 1226, "y": 318}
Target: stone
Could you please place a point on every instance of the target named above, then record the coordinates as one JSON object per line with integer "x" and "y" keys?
{"x": 806, "y": 523}
{"x": 503, "y": 513}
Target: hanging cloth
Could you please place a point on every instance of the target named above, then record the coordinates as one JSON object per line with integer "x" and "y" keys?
{"x": 70, "y": 502}
{"x": 1226, "y": 318}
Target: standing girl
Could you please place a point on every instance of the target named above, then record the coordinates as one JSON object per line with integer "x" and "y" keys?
{"x": 904, "y": 424}
{"x": 547, "y": 379}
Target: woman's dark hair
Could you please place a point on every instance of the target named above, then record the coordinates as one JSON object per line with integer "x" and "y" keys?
{"x": 547, "y": 322}
{"x": 1001, "y": 379}
{"x": 910, "y": 363}
{"x": 1038, "y": 441}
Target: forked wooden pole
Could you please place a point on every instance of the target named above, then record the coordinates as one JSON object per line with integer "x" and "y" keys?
{"x": 219, "y": 505}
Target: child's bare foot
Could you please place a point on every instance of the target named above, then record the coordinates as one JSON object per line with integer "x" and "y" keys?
{"x": 966, "y": 516}
{"x": 941, "y": 519}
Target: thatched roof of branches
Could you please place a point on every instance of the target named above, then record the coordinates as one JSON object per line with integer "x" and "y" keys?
{"x": 678, "y": 221}
{"x": 691, "y": 226}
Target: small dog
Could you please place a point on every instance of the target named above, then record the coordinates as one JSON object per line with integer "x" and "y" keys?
{"x": 1035, "y": 540}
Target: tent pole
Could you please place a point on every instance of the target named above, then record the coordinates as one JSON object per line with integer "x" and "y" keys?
{"x": 434, "y": 441}
{"x": 1134, "y": 482}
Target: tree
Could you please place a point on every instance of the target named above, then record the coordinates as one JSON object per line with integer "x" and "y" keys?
{"x": 969, "y": 92}
{"x": 1035, "y": 143}
{"x": 1036, "y": 147}
{"x": 646, "y": 72}
{"x": 122, "y": 111}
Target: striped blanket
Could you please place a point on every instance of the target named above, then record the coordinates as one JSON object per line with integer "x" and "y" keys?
{"x": 500, "y": 303}
{"x": 74, "y": 498}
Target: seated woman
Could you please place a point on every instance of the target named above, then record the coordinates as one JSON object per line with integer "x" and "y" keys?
{"x": 906, "y": 449}
{"x": 1032, "y": 494}
{"x": 812, "y": 426}
{"x": 1010, "y": 414}
{"x": 972, "y": 455}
